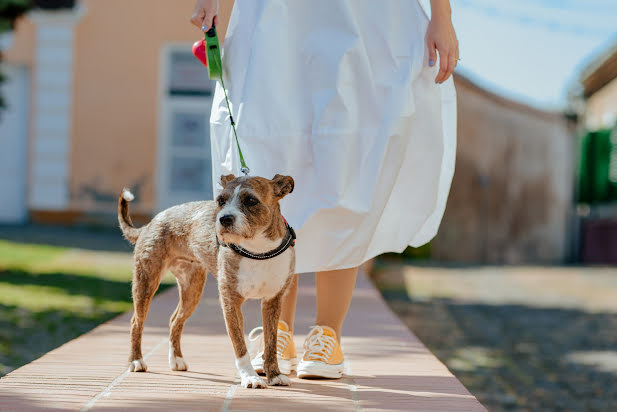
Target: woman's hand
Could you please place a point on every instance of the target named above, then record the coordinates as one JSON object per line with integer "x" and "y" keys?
{"x": 440, "y": 37}
{"x": 205, "y": 13}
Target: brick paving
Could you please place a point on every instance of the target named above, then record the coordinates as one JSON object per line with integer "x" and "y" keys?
{"x": 388, "y": 368}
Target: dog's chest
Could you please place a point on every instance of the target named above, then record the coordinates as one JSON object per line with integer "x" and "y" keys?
{"x": 263, "y": 278}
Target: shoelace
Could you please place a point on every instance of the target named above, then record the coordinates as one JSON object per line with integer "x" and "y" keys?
{"x": 282, "y": 340}
{"x": 318, "y": 346}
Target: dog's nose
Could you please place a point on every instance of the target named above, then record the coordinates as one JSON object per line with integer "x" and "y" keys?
{"x": 227, "y": 220}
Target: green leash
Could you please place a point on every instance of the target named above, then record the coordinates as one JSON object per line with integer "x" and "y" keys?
{"x": 215, "y": 72}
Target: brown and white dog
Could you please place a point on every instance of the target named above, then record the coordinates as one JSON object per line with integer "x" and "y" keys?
{"x": 195, "y": 238}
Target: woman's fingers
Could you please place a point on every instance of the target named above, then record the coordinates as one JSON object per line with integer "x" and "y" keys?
{"x": 208, "y": 20}
{"x": 448, "y": 56}
{"x": 198, "y": 16}
{"x": 432, "y": 53}
{"x": 457, "y": 50}
{"x": 443, "y": 65}
{"x": 451, "y": 64}
{"x": 204, "y": 14}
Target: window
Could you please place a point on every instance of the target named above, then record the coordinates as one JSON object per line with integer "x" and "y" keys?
{"x": 184, "y": 142}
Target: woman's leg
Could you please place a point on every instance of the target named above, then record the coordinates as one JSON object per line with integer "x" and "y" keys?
{"x": 288, "y": 306}
{"x": 323, "y": 358}
{"x": 334, "y": 291}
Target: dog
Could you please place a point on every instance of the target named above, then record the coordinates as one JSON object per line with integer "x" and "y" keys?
{"x": 242, "y": 239}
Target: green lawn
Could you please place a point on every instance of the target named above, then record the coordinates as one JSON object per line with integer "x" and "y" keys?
{"x": 49, "y": 295}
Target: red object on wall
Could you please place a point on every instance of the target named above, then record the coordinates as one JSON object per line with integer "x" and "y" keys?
{"x": 599, "y": 241}
{"x": 199, "y": 51}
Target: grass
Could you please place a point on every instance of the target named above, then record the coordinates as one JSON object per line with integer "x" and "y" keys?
{"x": 50, "y": 295}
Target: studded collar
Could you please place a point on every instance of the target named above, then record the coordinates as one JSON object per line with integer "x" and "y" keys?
{"x": 288, "y": 240}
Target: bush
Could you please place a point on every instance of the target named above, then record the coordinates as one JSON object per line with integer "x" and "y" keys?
{"x": 10, "y": 10}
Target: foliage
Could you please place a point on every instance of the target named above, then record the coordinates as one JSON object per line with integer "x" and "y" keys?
{"x": 597, "y": 173}
{"x": 10, "y": 10}
{"x": 410, "y": 253}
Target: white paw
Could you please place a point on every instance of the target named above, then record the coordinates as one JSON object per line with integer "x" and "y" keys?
{"x": 280, "y": 380}
{"x": 177, "y": 363}
{"x": 138, "y": 366}
{"x": 254, "y": 382}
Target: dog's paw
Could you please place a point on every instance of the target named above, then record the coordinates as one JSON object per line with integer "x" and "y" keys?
{"x": 177, "y": 363}
{"x": 254, "y": 382}
{"x": 280, "y": 380}
{"x": 138, "y": 366}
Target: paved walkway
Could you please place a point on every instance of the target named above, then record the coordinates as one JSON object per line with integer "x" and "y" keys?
{"x": 387, "y": 367}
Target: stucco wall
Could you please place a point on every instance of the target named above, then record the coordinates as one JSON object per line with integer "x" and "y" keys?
{"x": 115, "y": 94}
{"x": 21, "y": 53}
{"x": 510, "y": 200}
{"x": 22, "y": 47}
{"x": 601, "y": 111}
{"x": 117, "y": 71}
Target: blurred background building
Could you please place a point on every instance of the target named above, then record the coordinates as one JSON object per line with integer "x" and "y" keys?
{"x": 511, "y": 199}
{"x": 103, "y": 94}
{"x": 597, "y": 194}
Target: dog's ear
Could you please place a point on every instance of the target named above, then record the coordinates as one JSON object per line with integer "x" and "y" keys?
{"x": 282, "y": 185}
{"x": 226, "y": 179}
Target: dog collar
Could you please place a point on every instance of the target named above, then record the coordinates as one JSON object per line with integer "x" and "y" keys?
{"x": 288, "y": 240}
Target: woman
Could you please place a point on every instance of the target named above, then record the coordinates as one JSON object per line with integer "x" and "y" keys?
{"x": 353, "y": 98}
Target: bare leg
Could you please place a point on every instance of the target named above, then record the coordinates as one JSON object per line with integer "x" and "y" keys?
{"x": 288, "y": 306}
{"x": 334, "y": 291}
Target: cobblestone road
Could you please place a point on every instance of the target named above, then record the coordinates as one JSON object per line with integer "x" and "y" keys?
{"x": 520, "y": 338}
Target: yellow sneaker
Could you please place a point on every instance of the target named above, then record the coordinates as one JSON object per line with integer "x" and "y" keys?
{"x": 285, "y": 349}
{"x": 323, "y": 357}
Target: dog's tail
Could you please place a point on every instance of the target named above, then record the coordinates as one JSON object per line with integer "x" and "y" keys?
{"x": 130, "y": 232}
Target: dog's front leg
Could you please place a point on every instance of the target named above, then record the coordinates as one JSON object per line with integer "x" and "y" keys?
{"x": 234, "y": 322}
{"x": 270, "y": 313}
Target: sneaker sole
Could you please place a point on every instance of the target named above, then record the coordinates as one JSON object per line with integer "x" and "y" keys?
{"x": 315, "y": 369}
{"x": 285, "y": 366}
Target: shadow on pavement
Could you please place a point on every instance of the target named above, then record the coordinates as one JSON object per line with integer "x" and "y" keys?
{"x": 94, "y": 238}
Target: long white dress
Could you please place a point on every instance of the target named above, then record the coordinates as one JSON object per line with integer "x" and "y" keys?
{"x": 338, "y": 94}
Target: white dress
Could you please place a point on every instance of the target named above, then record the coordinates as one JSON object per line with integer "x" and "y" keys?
{"x": 338, "y": 94}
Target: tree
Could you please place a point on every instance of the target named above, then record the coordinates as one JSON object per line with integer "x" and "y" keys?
{"x": 10, "y": 10}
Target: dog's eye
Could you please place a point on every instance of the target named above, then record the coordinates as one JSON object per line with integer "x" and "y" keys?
{"x": 220, "y": 201}
{"x": 250, "y": 201}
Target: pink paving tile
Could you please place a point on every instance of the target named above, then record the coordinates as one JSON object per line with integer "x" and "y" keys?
{"x": 388, "y": 367}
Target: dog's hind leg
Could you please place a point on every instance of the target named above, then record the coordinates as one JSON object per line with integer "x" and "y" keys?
{"x": 146, "y": 280}
{"x": 270, "y": 313}
{"x": 191, "y": 281}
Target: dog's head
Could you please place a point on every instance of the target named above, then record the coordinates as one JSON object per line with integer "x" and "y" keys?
{"x": 248, "y": 205}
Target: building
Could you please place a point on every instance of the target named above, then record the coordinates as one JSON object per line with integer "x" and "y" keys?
{"x": 103, "y": 95}
{"x": 597, "y": 91}
{"x": 512, "y": 194}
